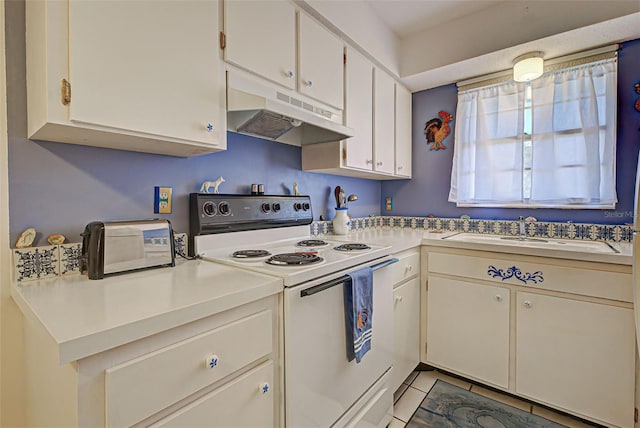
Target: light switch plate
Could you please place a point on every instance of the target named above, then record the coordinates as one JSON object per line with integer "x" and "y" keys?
{"x": 162, "y": 200}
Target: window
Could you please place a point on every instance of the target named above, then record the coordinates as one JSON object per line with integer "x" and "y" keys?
{"x": 546, "y": 143}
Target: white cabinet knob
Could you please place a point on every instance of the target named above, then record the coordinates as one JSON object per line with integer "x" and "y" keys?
{"x": 379, "y": 163}
{"x": 212, "y": 361}
{"x": 498, "y": 298}
{"x": 308, "y": 83}
{"x": 369, "y": 161}
{"x": 408, "y": 268}
{"x": 264, "y": 387}
{"x": 399, "y": 167}
{"x": 527, "y": 304}
{"x": 398, "y": 299}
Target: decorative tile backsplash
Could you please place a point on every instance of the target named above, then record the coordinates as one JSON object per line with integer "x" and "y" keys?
{"x": 34, "y": 263}
{"x": 538, "y": 229}
{"x": 51, "y": 261}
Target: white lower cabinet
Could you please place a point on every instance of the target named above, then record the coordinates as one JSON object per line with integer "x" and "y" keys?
{"x": 578, "y": 356}
{"x": 222, "y": 370}
{"x": 557, "y": 332}
{"x": 406, "y": 315}
{"x": 468, "y": 329}
{"x": 244, "y": 402}
{"x": 406, "y": 335}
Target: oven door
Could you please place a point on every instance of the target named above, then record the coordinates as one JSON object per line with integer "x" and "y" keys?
{"x": 320, "y": 384}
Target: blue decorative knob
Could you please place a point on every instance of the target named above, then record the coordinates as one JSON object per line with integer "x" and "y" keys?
{"x": 264, "y": 388}
{"x": 210, "y": 127}
{"x": 212, "y": 361}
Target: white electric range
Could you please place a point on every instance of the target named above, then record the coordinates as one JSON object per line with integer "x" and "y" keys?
{"x": 270, "y": 235}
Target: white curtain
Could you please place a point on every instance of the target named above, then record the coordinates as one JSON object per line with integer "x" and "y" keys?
{"x": 487, "y": 160}
{"x": 574, "y": 137}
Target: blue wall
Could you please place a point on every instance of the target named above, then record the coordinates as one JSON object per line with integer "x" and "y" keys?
{"x": 428, "y": 191}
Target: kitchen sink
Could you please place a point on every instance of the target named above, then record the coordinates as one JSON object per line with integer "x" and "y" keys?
{"x": 550, "y": 244}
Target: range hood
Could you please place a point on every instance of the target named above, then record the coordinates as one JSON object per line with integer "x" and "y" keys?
{"x": 256, "y": 107}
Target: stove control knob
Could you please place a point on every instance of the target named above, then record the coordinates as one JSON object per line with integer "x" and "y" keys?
{"x": 297, "y": 206}
{"x": 265, "y": 207}
{"x": 276, "y": 207}
{"x": 209, "y": 209}
{"x": 223, "y": 208}
{"x": 306, "y": 206}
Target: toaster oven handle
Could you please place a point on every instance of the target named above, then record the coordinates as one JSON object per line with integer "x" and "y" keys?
{"x": 340, "y": 280}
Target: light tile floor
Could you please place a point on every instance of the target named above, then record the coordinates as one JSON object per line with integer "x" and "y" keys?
{"x": 408, "y": 397}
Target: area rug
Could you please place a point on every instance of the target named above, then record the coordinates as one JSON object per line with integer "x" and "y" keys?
{"x": 449, "y": 406}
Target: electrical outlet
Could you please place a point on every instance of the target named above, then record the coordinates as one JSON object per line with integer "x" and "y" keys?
{"x": 162, "y": 200}
{"x": 388, "y": 204}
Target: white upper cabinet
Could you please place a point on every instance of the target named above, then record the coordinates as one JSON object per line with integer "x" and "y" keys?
{"x": 403, "y": 131}
{"x": 383, "y": 122}
{"x": 141, "y": 76}
{"x": 261, "y": 37}
{"x": 359, "y": 111}
{"x": 321, "y": 63}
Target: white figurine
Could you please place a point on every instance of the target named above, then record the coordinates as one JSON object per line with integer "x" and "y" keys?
{"x": 208, "y": 184}
{"x": 295, "y": 189}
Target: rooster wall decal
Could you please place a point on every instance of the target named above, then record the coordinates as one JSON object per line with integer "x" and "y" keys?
{"x": 437, "y": 130}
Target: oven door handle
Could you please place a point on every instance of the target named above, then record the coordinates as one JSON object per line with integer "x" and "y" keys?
{"x": 340, "y": 280}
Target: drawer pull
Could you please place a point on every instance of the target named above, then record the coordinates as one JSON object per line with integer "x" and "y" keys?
{"x": 527, "y": 304}
{"x": 265, "y": 387}
{"x": 398, "y": 299}
{"x": 409, "y": 268}
{"x": 212, "y": 361}
{"x": 515, "y": 272}
{"x": 498, "y": 298}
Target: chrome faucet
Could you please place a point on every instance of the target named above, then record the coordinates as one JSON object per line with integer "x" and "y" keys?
{"x": 523, "y": 229}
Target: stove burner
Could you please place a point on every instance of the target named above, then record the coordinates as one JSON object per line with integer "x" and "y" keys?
{"x": 312, "y": 243}
{"x": 352, "y": 247}
{"x": 250, "y": 254}
{"x": 293, "y": 259}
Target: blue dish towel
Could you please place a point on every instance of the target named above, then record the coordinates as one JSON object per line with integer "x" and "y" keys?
{"x": 358, "y": 312}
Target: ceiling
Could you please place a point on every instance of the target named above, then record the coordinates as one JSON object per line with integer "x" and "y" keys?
{"x": 406, "y": 17}
{"x": 445, "y": 41}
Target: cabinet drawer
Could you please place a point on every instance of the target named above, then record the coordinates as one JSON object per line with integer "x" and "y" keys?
{"x": 141, "y": 387}
{"x": 534, "y": 274}
{"x": 407, "y": 267}
{"x": 244, "y": 402}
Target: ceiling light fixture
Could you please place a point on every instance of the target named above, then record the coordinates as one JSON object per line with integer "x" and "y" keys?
{"x": 528, "y": 67}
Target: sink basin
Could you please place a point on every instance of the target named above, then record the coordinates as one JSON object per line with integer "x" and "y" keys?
{"x": 550, "y": 244}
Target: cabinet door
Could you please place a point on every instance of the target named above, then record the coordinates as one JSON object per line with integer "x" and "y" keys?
{"x": 383, "y": 122}
{"x": 261, "y": 37}
{"x": 244, "y": 402}
{"x": 321, "y": 63}
{"x": 468, "y": 329}
{"x": 406, "y": 330}
{"x": 150, "y": 67}
{"x": 403, "y": 131}
{"x": 576, "y": 356}
{"x": 359, "y": 110}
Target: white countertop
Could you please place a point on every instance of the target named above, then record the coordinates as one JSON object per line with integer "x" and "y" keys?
{"x": 85, "y": 316}
{"x": 403, "y": 239}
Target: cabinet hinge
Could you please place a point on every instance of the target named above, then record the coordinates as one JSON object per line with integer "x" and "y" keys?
{"x": 65, "y": 92}
{"x": 344, "y": 58}
{"x": 223, "y": 40}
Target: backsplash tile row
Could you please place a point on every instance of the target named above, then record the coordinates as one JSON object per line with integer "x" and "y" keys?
{"x": 56, "y": 260}
{"x": 34, "y": 263}
{"x": 538, "y": 229}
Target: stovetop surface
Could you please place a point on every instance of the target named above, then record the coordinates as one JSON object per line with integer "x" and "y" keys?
{"x": 220, "y": 248}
